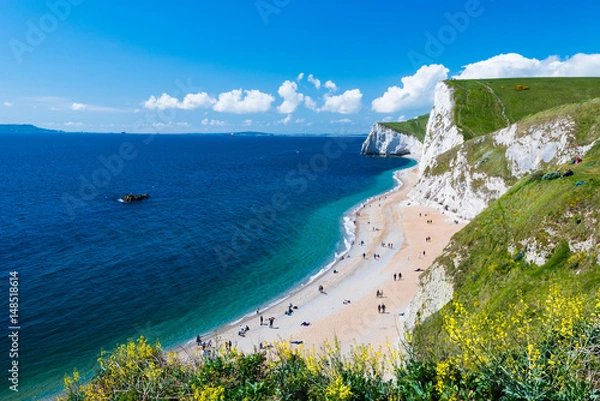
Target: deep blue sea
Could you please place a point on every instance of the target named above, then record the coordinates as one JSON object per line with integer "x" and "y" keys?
{"x": 232, "y": 223}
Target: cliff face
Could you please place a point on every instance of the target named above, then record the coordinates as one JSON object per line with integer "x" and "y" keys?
{"x": 467, "y": 178}
{"x": 442, "y": 133}
{"x": 383, "y": 141}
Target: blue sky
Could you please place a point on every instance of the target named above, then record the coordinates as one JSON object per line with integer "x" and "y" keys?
{"x": 281, "y": 66}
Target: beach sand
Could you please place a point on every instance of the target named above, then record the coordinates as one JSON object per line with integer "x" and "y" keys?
{"x": 384, "y": 220}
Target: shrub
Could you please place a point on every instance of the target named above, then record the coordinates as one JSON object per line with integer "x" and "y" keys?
{"x": 551, "y": 176}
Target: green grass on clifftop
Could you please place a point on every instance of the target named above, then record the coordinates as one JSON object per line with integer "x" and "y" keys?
{"x": 417, "y": 126}
{"x": 484, "y": 106}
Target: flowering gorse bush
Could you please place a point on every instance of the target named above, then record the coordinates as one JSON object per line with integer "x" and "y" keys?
{"x": 548, "y": 351}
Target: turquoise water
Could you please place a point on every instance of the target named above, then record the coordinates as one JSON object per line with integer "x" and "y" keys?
{"x": 207, "y": 248}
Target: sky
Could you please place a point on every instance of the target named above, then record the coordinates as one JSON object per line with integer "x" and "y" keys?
{"x": 277, "y": 66}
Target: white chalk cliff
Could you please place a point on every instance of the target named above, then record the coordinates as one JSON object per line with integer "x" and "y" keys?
{"x": 452, "y": 178}
{"x": 383, "y": 141}
{"x": 465, "y": 177}
{"x": 442, "y": 133}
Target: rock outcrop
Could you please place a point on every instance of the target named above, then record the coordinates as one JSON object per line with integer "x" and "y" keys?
{"x": 435, "y": 290}
{"x": 442, "y": 132}
{"x": 134, "y": 198}
{"x": 383, "y": 141}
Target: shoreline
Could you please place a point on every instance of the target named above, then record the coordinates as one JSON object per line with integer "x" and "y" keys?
{"x": 379, "y": 219}
{"x": 348, "y": 241}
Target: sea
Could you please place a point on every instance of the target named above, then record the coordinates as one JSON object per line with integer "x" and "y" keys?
{"x": 233, "y": 223}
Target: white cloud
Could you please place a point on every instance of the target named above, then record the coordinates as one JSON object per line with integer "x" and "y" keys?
{"x": 315, "y": 81}
{"x": 347, "y": 103}
{"x": 401, "y": 118}
{"x": 197, "y": 100}
{"x": 285, "y": 120}
{"x": 299, "y": 121}
{"x": 7, "y": 104}
{"x": 218, "y": 123}
{"x": 291, "y": 98}
{"x": 90, "y": 107}
{"x": 190, "y": 101}
{"x": 310, "y": 104}
{"x": 254, "y": 101}
{"x": 247, "y": 123}
{"x": 300, "y": 76}
{"x": 514, "y": 65}
{"x": 342, "y": 121}
{"x": 73, "y": 124}
{"x": 416, "y": 92}
{"x": 331, "y": 86}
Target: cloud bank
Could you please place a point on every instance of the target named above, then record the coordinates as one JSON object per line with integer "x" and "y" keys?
{"x": 416, "y": 91}
{"x": 514, "y": 65}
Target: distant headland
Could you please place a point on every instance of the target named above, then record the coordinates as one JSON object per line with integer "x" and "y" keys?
{"x": 25, "y": 129}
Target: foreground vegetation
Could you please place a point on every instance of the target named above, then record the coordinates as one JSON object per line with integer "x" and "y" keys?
{"x": 546, "y": 352}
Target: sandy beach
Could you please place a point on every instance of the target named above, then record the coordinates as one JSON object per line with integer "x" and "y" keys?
{"x": 389, "y": 226}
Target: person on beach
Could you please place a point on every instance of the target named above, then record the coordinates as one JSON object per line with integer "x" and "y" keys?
{"x": 382, "y": 308}
{"x": 395, "y": 275}
{"x": 379, "y": 308}
{"x": 321, "y": 290}
{"x": 271, "y": 320}
{"x": 261, "y": 320}
{"x": 198, "y": 340}
{"x": 399, "y": 276}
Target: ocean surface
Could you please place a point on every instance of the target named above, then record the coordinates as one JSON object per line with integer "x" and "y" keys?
{"x": 232, "y": 223}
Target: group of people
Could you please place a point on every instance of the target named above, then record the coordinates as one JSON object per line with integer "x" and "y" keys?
{"x": 388, "y": 245}
{"x": 271, "y": 320}
{"x": 427, "y": 239}
{"x": 205, "y": 345}
{"x": 379, "y": 294}
{"x": 243, "y": 330}
{"x": 397, "y": 276}
{"x": 381, "y": 308}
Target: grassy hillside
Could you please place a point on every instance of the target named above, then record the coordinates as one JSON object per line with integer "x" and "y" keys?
{"x": 483, "y": 106}
{"x": 489, "y": 258}
{"x": 417, "y": 126}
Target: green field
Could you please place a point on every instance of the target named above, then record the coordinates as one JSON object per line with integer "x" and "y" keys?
{"x": 484, "y": 106}
{"x": 417, "y": 126}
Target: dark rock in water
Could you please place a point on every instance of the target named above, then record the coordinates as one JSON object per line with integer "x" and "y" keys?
{"x": 134, "y": 198}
